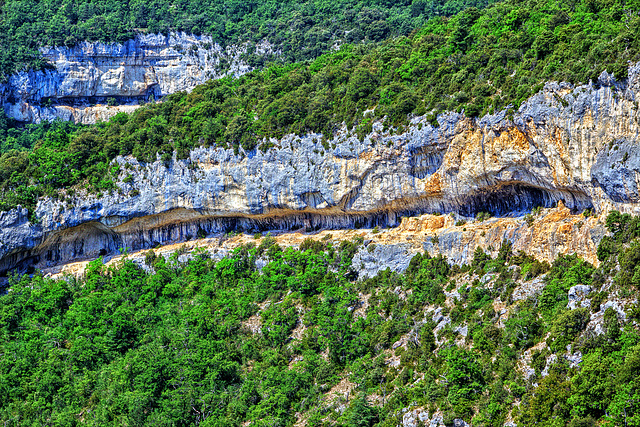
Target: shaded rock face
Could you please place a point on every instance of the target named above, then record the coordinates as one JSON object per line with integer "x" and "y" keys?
{"x": 554, "y": 231}
{"x": 556, "y": 147}
{"x": 92, "y": 82}
{"x": 616, "y": 171}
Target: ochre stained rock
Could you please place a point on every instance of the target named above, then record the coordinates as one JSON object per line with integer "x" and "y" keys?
{"x": 572, "y": 145}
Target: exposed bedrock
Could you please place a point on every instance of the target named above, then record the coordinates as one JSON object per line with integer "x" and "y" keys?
{"x": 92, "y": 82}
{"x": 577, "y": 145}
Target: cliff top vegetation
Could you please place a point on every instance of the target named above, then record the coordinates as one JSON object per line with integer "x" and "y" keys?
{"x": 478, "y": 61}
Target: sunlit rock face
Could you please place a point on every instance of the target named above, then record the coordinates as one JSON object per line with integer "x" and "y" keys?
{"x": 574, "y": 145}
{"x": 92, "y": 82}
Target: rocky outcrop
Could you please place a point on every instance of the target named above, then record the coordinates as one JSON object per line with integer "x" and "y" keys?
{"x": 91, "y": 82}
{"x": 413, "y": 417}
{"x": 555, "y": 231}
{"x": 578, "y": 296}
{"x": 563, "y": 144}
{"x": 552, "y": 232}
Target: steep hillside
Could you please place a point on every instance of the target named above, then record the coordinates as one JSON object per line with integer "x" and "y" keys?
{"x": 92, "y": 82}
{"x": 404, "y": 76}
{"x": 302, "y": 29}
{"x": 79, "y": 61}
{"x": 480, "y": 60}
{"x": 426, "y": 221}
{"x": 266, "y": 335}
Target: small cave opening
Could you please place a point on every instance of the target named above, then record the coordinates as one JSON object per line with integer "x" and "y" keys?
{"x": 510, "y": 200}
{"x": 151, "y": 94}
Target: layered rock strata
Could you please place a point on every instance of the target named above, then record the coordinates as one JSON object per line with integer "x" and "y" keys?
{"x": 91, "y": 82}
{"x": 553, "y": 232}
{"x": 575, "y": 145}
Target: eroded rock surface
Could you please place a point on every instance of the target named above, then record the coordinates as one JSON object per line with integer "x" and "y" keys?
{"x": 92, "y": 82}
{"x": 562, "y": 145}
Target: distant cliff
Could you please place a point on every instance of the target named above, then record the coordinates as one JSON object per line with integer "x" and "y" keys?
{"x": 575, "y": 145}
{"x": 94, "y": 81}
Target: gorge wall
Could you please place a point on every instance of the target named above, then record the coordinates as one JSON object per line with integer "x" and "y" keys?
{"x": 92, "y": 82}
{"x": 575, "y": 145}
{"x": 553, "y": 231}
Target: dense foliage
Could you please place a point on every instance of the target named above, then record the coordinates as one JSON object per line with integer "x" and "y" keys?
{"x": 181, "y": 343}
{"x": 302, "y": 29}
{"x": 171, "y": 343}
{"x": 478, "y": 61}
{"x": 20, "y": 138}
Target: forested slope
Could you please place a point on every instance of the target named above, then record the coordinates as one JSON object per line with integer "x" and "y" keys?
{"x": 302, "y": 30}
{"x": 272, "y": 336}
{"x": 478, "y": 61}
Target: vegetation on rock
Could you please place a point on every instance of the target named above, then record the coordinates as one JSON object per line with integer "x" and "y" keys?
{"x": 205, "y": 342}
{"x": 301, "y": 30}
{"x": 479, "y": 61}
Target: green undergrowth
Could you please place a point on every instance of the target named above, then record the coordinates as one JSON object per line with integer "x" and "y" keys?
{"x": 478, "y": 61}
{"x": 223, "y": 343}
{"x": 300, "y": 30}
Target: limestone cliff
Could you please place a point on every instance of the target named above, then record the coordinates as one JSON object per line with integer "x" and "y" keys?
{"x": 553, "y": 231}
{"x": 93, "y": 81}
{"x": 575, "y": 145}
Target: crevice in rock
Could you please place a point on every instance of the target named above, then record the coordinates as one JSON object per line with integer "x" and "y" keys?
{"x": 425, "y": 160}
{"x": 93, "y": 239}
{"x": 519, "y": 198}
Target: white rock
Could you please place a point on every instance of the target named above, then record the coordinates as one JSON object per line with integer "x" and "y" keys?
{"x": 146, "y": 67}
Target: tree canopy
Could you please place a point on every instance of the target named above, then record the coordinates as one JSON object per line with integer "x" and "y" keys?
{"x": 477, "y": 61}
{"x": 226, "y": 342}
{"x": 301, "y": 29}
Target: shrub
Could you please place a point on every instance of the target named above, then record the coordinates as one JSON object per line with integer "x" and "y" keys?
{"x": 566, "y": 327}
{"x": 529, "y": 219}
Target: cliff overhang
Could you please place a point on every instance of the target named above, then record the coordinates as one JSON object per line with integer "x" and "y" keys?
{"x": 571, "y": 145}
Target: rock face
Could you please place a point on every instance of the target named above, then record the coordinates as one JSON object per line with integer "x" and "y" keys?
{"x": 413, "y": 418}
{"x": 574, "y": 145}
{"x": 552, "y": 232}
{"x": 577, "y": 296}
{"x": 94, "y": 81}
{"x": 555, "y": 231}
